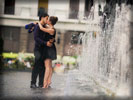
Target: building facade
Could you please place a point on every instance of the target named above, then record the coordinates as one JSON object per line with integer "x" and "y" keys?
{"x": 72, "y": 15}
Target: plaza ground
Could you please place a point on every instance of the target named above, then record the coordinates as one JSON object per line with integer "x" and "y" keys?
{"x": 15, "y": 85}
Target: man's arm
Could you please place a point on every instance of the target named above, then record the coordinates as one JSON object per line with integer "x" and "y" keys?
{"x": 36, "y": 36}
{"x": 38, "y": 40}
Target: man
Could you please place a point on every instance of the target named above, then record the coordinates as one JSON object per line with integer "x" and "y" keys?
{"x": 39, "y": 68}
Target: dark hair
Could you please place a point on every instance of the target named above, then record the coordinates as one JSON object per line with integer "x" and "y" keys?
{"x": 43, "y": 15}
{"x": 53, "y": 20}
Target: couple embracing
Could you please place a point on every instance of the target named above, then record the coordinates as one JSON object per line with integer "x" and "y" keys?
{"x": 44, "y": 51}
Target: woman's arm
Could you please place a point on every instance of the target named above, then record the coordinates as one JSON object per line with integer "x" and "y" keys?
{"x": 50, "y": 31}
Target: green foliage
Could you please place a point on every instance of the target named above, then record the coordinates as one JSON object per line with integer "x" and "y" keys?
{"x": 17, "y": 64}
{"x": 30, "y": 59}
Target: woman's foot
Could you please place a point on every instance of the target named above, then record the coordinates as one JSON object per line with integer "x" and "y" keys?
{"x": 45, "y": 85}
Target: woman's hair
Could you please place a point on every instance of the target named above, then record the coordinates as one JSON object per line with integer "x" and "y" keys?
{"x": 53, "y": 20}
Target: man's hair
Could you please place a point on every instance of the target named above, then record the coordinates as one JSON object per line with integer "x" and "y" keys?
{"x": 43, "y": 15}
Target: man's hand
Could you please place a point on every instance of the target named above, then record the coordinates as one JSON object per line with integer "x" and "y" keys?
{"x": 49, "y": 44}
{"x": 51, "y": 40}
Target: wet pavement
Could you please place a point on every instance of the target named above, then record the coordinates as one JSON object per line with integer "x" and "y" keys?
{"x": 15, "y": 85}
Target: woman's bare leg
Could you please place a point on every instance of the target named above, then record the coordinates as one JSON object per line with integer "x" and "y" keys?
{"x": 50, "y": 75}
{"x": 47, "y": 72}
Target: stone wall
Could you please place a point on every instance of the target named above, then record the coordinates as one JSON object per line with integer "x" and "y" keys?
{"x": 23, "y": 40}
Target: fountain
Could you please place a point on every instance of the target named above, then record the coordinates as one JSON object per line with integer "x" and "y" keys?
{"x": 105, "y": 58}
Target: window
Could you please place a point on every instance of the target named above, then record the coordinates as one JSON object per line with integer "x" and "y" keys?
{"x": 88, "y": 5}
{"x": 42, "y": 7}
{"x": 11, "y": 38}
{"x": 9, "y": 7}
{"x": 75, "y": 38}
{"x": 74, "y": 9}
{"x": 10, "y": 33}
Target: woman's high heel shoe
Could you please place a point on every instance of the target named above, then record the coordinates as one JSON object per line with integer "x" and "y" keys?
{"x": 49, "y": 85}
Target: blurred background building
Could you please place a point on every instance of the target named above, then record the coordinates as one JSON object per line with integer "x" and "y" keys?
{"x": 72, "y": 14}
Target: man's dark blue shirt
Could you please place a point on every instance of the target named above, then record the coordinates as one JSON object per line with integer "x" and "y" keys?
{"x": 39, "y": 37}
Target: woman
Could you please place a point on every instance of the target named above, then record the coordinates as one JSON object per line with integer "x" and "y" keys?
{"x": 50, "y": 52}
